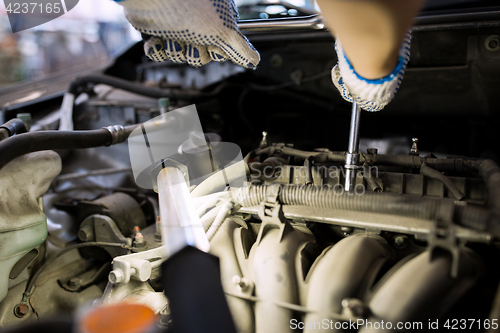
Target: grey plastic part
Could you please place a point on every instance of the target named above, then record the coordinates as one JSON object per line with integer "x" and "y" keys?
{"x": 136, "y": 266}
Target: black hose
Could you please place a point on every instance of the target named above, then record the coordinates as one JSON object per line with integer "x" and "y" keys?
{"x": 14, "y": 126}
{"x": 269, "y": 169}
{"x": 369, "y": 177}
{"x": 25, "y": 143}
{"x": 412, "y": 161}
{"x": 319, "y": 156}
{"x": 134, "y": 87}
{"x": 490, "y": 172}
{"x": 408, "y": 161}
{"x": 427, "y": 171}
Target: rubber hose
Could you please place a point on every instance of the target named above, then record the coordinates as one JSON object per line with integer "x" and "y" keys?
{"x": 490, "y": 172}
{"x": 330, "y": 198}
{"x": 26, "y": 143}
{"x": 208, "y": 219}
{"x": 427, "y": 171}
{"x": 477, "y": 218}
{"x": 219, "y": 220}
{"x": 411, "y": 161}
{"x": 384, "y": 203}
{"x": 15, "y": 126}
{"x": 134, "y": 87}
{"x": 268, "y": 169}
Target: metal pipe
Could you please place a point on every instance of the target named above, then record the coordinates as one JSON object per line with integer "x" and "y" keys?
{"x": 353, "y": 133}
{"x": 352, "y": 156}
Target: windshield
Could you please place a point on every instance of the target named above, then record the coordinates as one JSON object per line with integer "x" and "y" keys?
{"x": 81, "y": 38}
{"x": 265, "y": 9}
{"x": 86, "y": 38}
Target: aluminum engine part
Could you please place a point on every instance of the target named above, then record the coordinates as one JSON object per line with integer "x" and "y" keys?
{"x": 431, "y": 291}
{"x": 345, "y": 270}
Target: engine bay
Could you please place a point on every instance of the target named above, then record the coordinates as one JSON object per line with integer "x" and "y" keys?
{"x": 414, "y": 240}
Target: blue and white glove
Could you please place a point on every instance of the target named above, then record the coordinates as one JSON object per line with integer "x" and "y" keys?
{"x": 192, "y": 31}
{"x": 371, "y": 95}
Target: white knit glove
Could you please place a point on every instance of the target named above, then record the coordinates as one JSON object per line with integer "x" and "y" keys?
{"x": 192, "y": 31}
{"x": 371, "y": 95}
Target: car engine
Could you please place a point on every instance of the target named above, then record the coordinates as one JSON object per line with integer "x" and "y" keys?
{"x": 322, "y": 217}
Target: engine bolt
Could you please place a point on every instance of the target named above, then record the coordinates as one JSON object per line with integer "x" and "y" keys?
{"x": 263, "y": 142}
{"x": 492, "y": 43}
{"x": 75, "y": 282}
{"x": 353, "y": 307}
{"x": 86, "y": 233}
{"x": 400, "y": 241}
{"x": 414, "y": 148}
{"x": 21, "y": 310}
{"x": 346, "y": 230}
{"x": 240, "y": 282}
{"x": 158, "y": 229}
{"x": 139, "y": 240}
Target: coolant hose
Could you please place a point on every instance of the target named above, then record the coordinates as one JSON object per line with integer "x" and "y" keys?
{"x": 384, "y": 203}
{"x": 332, "y": 198}
{"x": 26, "y": 143}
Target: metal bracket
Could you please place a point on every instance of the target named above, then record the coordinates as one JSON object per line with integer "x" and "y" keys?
{"x": 271, "y": 215}
{"x": 443, "y": 236}
{"x": 137, "y": 266}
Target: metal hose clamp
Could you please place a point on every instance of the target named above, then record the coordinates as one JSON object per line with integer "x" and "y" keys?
{"x": 117, "y": 134}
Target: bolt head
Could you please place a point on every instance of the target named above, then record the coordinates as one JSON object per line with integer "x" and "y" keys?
{"x": 75, "y": 282}
{"x": 86, "y": 233}
{"x": 21, "y": 310}
{"x": 400, "y": 241}
{"x": 236, "y": 279}
{"x": 346, "y": 230}
{"x": 139, "y": 238}
{"x": 116, "y": 276}
{"x": 353, "y": 306}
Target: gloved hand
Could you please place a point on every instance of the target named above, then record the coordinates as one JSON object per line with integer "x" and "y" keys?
{"x": 192, "y": 31}
{"x": 371, "y": 95}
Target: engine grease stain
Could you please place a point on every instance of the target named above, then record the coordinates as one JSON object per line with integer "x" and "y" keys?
{"x": 279, "y": 277}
